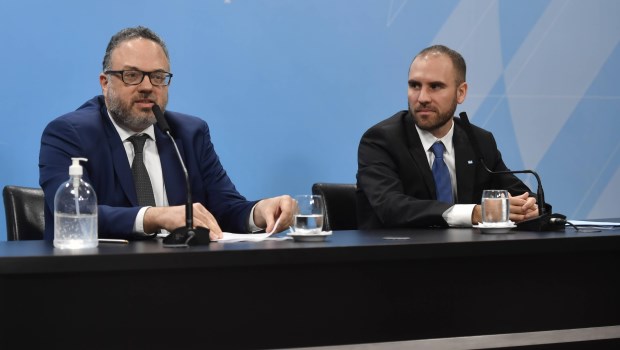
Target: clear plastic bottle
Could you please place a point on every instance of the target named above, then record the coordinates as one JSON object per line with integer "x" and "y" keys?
{"x": 75, "y": 211}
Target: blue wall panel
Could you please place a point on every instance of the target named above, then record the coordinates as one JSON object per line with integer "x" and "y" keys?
{"x": 288, "y": 87}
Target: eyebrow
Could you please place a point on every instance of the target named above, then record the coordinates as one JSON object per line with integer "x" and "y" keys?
{"x": 438, "y": 82}
{"x": 138, "y": 69}
{"x": 130, "y": 68}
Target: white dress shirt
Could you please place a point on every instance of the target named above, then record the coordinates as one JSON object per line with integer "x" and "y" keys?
{"x": 458, "y": 214}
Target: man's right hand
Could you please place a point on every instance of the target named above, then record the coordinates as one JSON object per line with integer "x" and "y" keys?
{"x": 522, "y": 207}
{"x": 171, "y": 218}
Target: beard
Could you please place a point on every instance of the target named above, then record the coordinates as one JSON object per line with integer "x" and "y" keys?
{"x": 433, "y": 123}
{"x": 123, "y": 116}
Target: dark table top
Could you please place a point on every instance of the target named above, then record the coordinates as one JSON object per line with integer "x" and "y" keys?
{"x": 23, "y": 257}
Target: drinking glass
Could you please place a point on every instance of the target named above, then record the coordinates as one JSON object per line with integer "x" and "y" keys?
{"x": 495, "y": 207}
{"x": 308, "y": 218}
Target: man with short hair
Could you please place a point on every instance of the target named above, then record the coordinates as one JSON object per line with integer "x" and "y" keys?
{"x": 418, "y": 168}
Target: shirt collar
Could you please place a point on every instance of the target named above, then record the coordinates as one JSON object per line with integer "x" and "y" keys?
{"x": 428, "y": 139}
{"x": 126, "y": 133}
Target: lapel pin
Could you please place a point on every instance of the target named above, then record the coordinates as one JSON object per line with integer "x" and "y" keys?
{"x": 470, "y": 162}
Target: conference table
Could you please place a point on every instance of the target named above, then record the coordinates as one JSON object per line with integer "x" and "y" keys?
{"x": 356, "y": 287}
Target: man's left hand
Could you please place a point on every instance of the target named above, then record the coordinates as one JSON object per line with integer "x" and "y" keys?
{"x": 523, "y": 207}
{"x": 270, "y": 210}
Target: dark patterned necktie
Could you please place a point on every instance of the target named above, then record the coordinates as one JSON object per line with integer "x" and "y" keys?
{"x": 443, "y": 185}
{"x": 141, "y": 179}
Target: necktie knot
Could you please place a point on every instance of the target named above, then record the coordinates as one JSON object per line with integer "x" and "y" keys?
{"x": 438, "y": 149}
{"x": 138, "y": 141}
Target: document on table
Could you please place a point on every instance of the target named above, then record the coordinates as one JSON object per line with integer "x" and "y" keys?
{"x": 248, "y": 237}
{"x": 603, "y": 225}
{"x": 242, "y": 237}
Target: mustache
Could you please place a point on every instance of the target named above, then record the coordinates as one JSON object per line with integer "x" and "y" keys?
{"x": 143, "y": 97}
{"x": 425, "y": 109}
{"x": 418, "y": 107}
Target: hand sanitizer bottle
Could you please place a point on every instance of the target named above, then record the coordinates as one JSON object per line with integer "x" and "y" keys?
{"x": 75, "y": 211}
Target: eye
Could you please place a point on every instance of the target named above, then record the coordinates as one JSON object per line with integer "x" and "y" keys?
{"x": 414, "y": 85}
{"x": 132, "y": 77}
{"x": 159, "y": 77}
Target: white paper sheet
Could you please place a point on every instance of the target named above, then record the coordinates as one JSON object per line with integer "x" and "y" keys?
{"x": 244, "y": 237}
{"x": 593, "y": 223}
{"x": 596, "y": 224}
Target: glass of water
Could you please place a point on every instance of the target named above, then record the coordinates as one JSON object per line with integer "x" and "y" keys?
{"x": 495, "y": 207}
{"x": 308, "y": 218}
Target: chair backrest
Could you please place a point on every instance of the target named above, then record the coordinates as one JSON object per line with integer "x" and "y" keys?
{"x": 340, "y": 207}
{"x": 25, "y": 218}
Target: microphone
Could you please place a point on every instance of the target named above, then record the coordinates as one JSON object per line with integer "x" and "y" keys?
{"x": 544, "y": 221}
{"x": 188, "y": 234}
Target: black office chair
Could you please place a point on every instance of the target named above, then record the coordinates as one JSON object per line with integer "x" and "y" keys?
{"x": 25, "y": 219}
{"x": 340, "y": 205}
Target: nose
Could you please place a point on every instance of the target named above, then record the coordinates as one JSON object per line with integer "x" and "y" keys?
{"x": 424, "y": 96}
{"x": 146, "y": 84}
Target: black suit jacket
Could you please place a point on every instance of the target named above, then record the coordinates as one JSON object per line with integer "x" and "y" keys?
{"x": 395, "y": 185}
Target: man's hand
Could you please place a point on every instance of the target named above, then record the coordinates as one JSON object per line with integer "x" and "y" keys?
{"x": 267, "y": 211}
{"x": 170, "y": 218}
{"x": 522, "y": 207}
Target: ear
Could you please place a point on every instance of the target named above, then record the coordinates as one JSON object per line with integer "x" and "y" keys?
{"x": 461, "y": 92}
{"x": 103, "y": 81}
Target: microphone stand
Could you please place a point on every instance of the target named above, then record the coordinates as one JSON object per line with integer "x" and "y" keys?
{"x": 186, "y": 235}
{"x": 545, "y": 221}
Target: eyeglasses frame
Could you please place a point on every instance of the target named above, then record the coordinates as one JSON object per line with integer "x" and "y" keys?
{"x": 121, "y": 73}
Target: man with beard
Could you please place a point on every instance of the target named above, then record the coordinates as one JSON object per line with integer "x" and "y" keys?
{"x": 396, "y": 186}
{"x": 136, "y": 75}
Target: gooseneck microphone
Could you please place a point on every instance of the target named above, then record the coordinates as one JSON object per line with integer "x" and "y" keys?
{"x": 544, "y": 221}
{"x": 188, "y": 234}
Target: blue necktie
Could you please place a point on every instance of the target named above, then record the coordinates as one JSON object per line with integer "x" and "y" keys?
{"x": 443, "y": 185}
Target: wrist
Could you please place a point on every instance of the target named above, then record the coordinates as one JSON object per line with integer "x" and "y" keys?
{"x": 150, "y": 223}
{"x": 476, "y": 215}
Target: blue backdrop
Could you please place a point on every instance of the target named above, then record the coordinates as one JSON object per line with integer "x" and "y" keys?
{"x": 288, "y": 87}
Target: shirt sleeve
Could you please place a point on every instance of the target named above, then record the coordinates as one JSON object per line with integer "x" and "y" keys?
{"x": 138, "y": 225}
{"x": 459, "y": 215}
{"x": 251, "y": 224}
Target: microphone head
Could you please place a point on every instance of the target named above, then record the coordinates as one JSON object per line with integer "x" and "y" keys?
{"x": 162, "y": 123}
{"x": 464, "y": 117}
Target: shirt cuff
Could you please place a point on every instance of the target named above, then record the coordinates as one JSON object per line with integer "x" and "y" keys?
{"x": 251, "y": 224}
{"x": 459, "y": 215}
{"x": 138, "y": 225}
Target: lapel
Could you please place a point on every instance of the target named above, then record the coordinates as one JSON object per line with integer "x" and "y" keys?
{"x": 465, "y": 164}
{"x": 121, "y": 166}
{"x": 174, "y": 178}
{"x": 418, "y": 153}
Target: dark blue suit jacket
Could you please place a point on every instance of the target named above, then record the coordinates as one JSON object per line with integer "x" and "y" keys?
{"x": 89, "y": 133}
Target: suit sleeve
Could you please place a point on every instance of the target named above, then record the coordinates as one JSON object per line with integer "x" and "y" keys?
{"x": 380, "y": 177}
{"x": 508, "y": 182}
{"x": 60, "y": 142}
{"x": 230, "y": 208}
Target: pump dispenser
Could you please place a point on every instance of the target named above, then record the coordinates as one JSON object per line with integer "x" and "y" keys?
{"x": 75, "y": 211}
